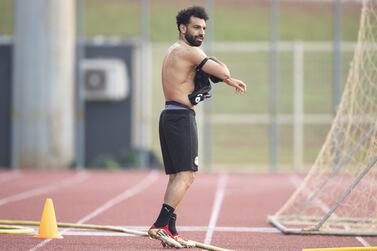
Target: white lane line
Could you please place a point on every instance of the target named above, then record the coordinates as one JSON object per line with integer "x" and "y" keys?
{"x": 363, "y": 241}
{"x": 296, "y": 181}
{"x": 79, "y": 177}
{"x": 99, "y": 234}
{"x": 10, "y": 176}
{"x": 145, "y": 183}
{"x": 181, "y": 229}
{"x": 128, "y": 193}
{"x": 223, "y": 179}
{"x": 215, "y": 229}
{"x": 83, "y": 232}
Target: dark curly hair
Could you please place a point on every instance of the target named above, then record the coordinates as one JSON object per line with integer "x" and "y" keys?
{"x": 184, "y": 15}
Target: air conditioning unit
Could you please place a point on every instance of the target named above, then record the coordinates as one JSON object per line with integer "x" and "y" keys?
{"x": 105, "y": 79}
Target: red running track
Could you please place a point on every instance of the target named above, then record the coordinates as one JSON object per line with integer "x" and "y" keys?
{"x": 224, "y": 209}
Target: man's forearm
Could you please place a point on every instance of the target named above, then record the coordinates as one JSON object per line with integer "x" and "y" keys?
{"x": 228, "y": 80}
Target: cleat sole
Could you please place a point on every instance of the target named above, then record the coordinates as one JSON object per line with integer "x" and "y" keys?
{"x": 162, "y": 236}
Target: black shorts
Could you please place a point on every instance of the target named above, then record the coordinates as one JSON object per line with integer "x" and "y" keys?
{"x": 179, "y": 140}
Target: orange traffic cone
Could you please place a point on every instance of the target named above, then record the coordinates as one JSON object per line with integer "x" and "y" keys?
{"x": 48, "y": 228}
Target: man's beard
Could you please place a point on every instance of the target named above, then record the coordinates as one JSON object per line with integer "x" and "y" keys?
{"x": 192, "y": 40}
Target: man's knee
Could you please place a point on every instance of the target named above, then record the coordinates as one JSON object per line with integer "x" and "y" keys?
{"x": 187, "y": 177}
{"x": 172, "y": 177}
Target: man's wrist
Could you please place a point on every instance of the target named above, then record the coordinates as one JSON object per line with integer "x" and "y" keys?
{"x": 227, "y": 80}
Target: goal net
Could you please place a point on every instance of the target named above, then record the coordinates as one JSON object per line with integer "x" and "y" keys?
{"x": 339, "y": 194}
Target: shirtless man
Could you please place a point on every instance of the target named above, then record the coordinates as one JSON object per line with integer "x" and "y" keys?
{"x": 177, "y": 128}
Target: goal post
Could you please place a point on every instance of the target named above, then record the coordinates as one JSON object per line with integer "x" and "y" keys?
{"x": 339, "y": 194}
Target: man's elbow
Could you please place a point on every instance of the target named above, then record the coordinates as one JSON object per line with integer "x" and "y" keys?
{"x": 225, "y": 74}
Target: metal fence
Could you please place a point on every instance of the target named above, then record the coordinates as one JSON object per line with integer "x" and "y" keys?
{"x": 239, "y": 135}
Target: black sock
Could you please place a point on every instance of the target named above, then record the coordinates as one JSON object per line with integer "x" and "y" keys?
{"x": 172, "y": 227}
{"x": 164, "y": 216}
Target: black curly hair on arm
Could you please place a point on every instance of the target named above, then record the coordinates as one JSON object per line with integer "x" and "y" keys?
{"x": 184, "y": 15}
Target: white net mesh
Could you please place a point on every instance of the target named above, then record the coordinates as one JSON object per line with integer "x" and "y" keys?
{"x": 339, "y": 195}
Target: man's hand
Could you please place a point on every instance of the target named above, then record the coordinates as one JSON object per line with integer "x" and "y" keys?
{"x": 239, "y": 86}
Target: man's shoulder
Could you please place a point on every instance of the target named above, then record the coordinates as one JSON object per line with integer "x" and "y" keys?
{"x": 183, "y": 52}
{"x": 185, "y": 48}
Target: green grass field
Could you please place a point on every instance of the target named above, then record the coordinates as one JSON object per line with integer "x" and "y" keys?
{"x": 239, "y": 20}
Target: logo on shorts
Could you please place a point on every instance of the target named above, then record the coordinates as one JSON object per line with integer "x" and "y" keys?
{"x": 196, "y": 161}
